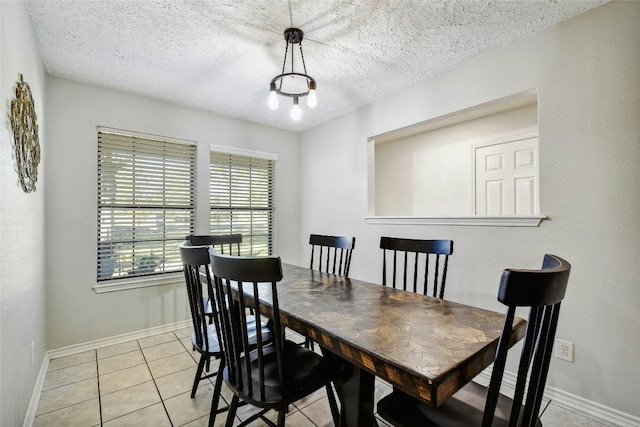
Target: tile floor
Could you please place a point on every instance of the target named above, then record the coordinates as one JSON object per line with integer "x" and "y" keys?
{"x": 147, "y": 382}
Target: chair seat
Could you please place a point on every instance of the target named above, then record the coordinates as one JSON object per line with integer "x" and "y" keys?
{"x": 463, "y": 409}
{"x": 305, "y": 372}
{"x": 214, "y": 345}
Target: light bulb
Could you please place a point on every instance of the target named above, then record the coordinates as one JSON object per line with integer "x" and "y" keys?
{"x": 273, "y": 97}
{"x": 296, "y": 113}
{"x": 312, "y": 101}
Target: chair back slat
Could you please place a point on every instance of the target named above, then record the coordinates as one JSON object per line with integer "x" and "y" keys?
{"x": 244, "y": 283}
{"x": 331, "y": 254}
{"x": 435, "y": 254}
{"x": 260, "y": 349}
{"x": 444, "y": 276}
{"x": 228, "y": 244}
{"x": 415, "y": 272}
{"x": 542, "y": 291}
{"x": 540, "y": 368}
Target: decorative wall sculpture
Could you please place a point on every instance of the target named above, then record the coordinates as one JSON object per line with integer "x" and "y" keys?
{"x": 26, "y": 146}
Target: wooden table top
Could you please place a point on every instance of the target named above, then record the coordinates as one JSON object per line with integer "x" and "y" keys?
{"x": 427, "y": 347}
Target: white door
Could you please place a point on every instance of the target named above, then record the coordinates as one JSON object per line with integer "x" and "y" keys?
{"x": 506, "y": 178}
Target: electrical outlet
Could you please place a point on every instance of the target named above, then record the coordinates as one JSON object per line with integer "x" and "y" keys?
{"x": 564, "y": 350}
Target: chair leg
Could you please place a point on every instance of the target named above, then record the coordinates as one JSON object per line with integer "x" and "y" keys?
{"x": 281, "y": 415}
{"x": 232, "y": 411}
{"x": 308, "y": 343}
{"x": 201, "y": 363}
{"x": 335, "y": 414}
{"x": 216, "y": 395}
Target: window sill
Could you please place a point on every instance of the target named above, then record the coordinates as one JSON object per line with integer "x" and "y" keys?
{"x": 492, "y": 221}
{"x": 124, "y": 284}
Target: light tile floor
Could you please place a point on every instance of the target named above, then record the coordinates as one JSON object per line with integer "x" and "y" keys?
{"x": 147, "y": 382}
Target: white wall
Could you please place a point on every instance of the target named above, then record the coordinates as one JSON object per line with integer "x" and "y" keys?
{"x": 22, "y": 260}
{"x": 76, "y": 314}
{"x": 586, "y": 71}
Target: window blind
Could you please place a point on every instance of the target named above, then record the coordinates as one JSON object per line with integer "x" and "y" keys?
{"x": 241, "y": 191}
{"x": 146, "y": 204}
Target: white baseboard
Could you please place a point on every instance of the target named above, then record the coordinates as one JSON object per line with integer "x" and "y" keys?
{"x": 586, "y": 408}
{"x": 91, "y": 345}
{"x": 118, "y": 339}
{"x": 37, "y": 390}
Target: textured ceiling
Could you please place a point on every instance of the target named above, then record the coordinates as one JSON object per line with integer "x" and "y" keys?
{"x": 221, "y": 55}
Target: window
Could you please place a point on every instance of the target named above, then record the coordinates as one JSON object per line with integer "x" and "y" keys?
{"x": 146, "y": 203}
{"x": 241, "y": 191}
{"x": 477, "y": 166}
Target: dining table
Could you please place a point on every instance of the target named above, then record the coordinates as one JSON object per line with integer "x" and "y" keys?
{"x": 424, "y": 346}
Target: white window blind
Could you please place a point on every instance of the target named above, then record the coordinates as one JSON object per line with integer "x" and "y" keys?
{"x": 146, "y": 204}
{"x": 242, "y": 200}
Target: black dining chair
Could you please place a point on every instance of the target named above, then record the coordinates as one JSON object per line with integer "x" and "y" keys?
{"x": 542, "y": 292}
{"x": 224, "y": 243}
{"x": 436, "y": 261}
{"x": 205, "y": 338}
{"x": 272, "y": 375}
{"x": 331, "y": 254}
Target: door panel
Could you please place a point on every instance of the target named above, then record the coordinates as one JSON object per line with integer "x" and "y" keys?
{"x": 494, "y": 197}
{"x": 506, "y": 178}
{"x": 524, "y": 195}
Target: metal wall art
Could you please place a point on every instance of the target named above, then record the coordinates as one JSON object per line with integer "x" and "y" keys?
{"x": 26, "y": 146}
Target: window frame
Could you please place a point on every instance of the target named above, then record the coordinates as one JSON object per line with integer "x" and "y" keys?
{"x": 171, "y": 199}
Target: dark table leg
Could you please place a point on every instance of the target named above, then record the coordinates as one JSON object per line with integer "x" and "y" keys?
{"x": 355, "y": 388}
